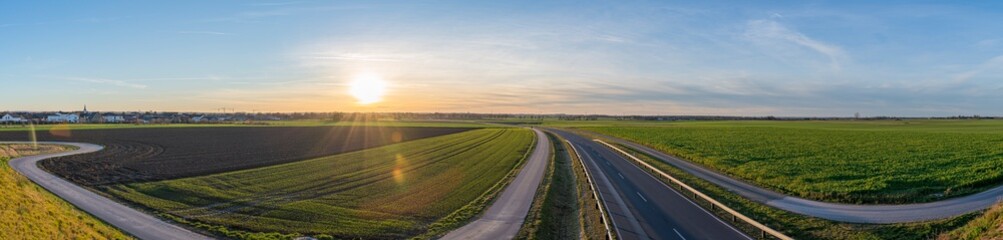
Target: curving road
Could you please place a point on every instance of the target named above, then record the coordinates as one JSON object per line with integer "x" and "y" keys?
{"x": 505, "y": 216}
{"x": 123, "y": 217}
{"x": 880, "y": 214}
{"x": 641, "y": 206}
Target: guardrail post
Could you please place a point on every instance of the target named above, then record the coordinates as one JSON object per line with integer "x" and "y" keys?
{"x": 595, "y": 193}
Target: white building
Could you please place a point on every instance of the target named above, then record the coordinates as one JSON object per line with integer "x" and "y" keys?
{"x": 113, "y": 119}
{"x": 7, "y": 118}
{"x": 63, "y": 118}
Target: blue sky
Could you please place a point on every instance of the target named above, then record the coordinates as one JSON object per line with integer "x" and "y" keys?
{"x": 785, "y": 58}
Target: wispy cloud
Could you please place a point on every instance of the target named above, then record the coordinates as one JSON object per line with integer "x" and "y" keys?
{"x": 112, "y": 82}
{"x": 769, "y": 30}
{"x": 279, "y": 11}
{"x": 363, "y": 57}
{"x": 991, "y": 64}
{"x": 4, "y": 25}
{"x": 266, "y": 4}
{"x": 99, "y": 19}
{"x": 203, "y": 32}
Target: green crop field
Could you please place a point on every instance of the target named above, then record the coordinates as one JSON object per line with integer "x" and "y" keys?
{"x": 837, "y": 161}
{"x": 395, "y": 191}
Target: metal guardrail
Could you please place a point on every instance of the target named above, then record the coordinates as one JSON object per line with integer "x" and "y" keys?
{"x": 714, "y": 203}
{"x": 595, "y": 192}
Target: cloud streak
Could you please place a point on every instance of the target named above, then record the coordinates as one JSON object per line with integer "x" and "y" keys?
{"x": 203, "y": 32}
{"x": 112, "y": 82}
{"x": 768, "y": 30}
{"x": 988, "y": 65}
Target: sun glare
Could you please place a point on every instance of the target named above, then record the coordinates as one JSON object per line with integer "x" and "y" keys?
{"x": 367, "y": 88}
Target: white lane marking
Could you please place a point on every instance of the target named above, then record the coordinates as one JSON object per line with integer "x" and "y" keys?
{"x": 673, "y": 190}
{"x": 642, "y": 197}
{"x": 621, "y": 175}
{"x": 680, "y": 234}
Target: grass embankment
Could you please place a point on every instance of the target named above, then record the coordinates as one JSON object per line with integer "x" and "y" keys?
{"x": 590, "y": 218}
{"x": 555, "y": 210}
{"x": 396, "y": 191}
{"x": 849, "y": 161}
{"x": 987, "y": 226}
{"x": 28, "y": 211}
{"x": 795, "y": 225}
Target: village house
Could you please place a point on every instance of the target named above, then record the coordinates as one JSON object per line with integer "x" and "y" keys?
{"x": 109, "y": 118}
{"x": 63, "y": 118}
{"x": 7, "y": 118}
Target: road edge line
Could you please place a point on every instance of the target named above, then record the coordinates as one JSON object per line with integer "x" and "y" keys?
{"x": 595, "y": 193}
{"x": 765, "y": 229}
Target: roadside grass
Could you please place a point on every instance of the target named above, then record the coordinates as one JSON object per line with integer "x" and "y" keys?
{"x": 590, "y": 218}
{"x": 391, "y": 192}
{"x": 28, "y": 211}
{"x": 554, "y": 214}
{"x": 838, "y": 161}
{"x": 989, "y": 225}
{"x": 796, "y": 225}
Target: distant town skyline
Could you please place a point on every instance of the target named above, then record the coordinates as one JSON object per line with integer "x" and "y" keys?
{"x": 770, "y": 58}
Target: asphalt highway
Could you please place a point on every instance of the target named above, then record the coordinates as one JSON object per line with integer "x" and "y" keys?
{"x": 127, "y": 219}
{"x": 880, "y": 214}
{"x": 641, "y": 206}
{"x": 505, "y": 216}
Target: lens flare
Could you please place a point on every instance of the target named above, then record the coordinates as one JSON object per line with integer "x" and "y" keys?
{"x": 398, "y": 173}
{"x": 33, "y": 136}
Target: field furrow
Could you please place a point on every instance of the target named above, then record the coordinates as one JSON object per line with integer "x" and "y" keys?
{"x": 393, "y": 191}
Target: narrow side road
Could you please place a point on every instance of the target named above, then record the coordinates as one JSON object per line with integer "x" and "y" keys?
{"x": 505, "y": 216}
{"x": 123, "y": 217}
{"x": 854, "y": 213}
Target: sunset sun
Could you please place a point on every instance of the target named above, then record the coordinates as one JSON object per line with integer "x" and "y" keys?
{"x": 367, "y": 88}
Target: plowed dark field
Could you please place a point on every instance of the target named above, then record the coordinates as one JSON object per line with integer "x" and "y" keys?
{"x": 135, "y": 155}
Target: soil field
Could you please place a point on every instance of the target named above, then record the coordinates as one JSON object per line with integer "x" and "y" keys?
{"x": 391, "y": 192}
{"x": 147, "y": 154}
